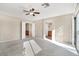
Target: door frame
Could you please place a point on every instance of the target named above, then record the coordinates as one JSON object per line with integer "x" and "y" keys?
{"x": 23, "y": 29}
{"x": 75, "y": 33}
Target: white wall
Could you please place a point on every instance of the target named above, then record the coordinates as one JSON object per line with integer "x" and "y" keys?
{"x": 45, "y": 29}
{"x": 33, "y": 30}
{"x": 23, "y": 30}
{"x": 9, "y": 28}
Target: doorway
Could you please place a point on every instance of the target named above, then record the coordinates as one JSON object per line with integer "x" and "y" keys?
{"x": 28, "y": 31}
{"x": 49, "y": 36}
{"x": 76, "y": 28}
{"x": 49, "y": 30}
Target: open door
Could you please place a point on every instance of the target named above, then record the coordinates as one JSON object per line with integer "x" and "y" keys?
{"x": 76, "y": 39}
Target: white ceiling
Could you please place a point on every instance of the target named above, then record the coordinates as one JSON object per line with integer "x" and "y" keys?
{"x": 55, "y": 9}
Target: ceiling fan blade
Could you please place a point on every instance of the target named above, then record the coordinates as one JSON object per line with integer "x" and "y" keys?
{"x": 33, "y": 14}
{"x": 37, "y": 12}
{"x": 25, "y": 11}
{"x": 32, "y": 9}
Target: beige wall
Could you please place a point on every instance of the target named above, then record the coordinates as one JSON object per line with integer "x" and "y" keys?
{"x": 63, "y": 28}
{"x": 62, "y": 25}
{"x": 9, "y": 28}
{"x": 39, "y": 29}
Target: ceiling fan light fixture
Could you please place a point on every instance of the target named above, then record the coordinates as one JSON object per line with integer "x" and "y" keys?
{"x": 32, "y": 11}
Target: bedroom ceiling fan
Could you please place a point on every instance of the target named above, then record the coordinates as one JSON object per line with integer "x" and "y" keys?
{"x": 31, "y": 12}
